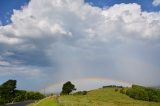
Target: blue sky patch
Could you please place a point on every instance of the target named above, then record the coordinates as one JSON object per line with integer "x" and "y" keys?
{"x": 145, "y": 4}
{"x": 6, "y": 9}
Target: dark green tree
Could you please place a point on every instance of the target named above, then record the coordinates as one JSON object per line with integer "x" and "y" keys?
{"x": 7, "y": 90}
{"x": 9, "y": 93}
{"x": 67, "y": 88}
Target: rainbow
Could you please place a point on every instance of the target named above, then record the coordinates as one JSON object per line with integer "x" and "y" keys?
{"x": 87, "y": 80}
{"x": 106, "y": 79}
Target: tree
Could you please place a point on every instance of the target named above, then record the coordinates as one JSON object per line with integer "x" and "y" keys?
{"x": 8, "y": 93}
{"x": 67, "y": 88}
{"x": 7, "y": 90}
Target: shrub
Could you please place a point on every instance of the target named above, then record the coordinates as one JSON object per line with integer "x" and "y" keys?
{"x": 123, "y": 91}
{"x": 143, "y": 93}
{"x": 20, "y": 96}
{"x": 80, "y": 93}
{"x": 112, "y": 86}
{"x": 116, "y": 90}
{"x": 34, "y": 95}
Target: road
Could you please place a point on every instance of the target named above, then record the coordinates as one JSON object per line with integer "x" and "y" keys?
{"x": 21, "y": 103}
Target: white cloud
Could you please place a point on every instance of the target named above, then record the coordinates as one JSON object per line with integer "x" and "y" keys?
{"x": 78, "y": 39}
{"x": 78, "y": 20}
{"x": 127, "y": 20}
{"x": 4, "y": 63}
{"x": 156, "y": 2}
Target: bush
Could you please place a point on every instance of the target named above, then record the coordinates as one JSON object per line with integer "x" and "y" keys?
{"x": 116, "y": 90}
{"x": 143, "y": 93}
{"x": 123, "y": 91}
{"x": 80, "y": 93}
{"x": 34, "y": 96}
{"x": 20, "y": 95}
{"x": 112, "y": 86}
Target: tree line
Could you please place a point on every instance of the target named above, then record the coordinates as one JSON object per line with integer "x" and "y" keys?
{"x": 9, "y": 93}
{"x": 144, "y": 93}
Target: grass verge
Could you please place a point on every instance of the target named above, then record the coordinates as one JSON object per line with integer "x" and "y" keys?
{"x": 49, "y": 101}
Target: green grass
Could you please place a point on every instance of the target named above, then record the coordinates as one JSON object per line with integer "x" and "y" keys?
{"x": 46, "y": 102}
{"x": 103, "y": 97}
{"x": 99, "y": 97}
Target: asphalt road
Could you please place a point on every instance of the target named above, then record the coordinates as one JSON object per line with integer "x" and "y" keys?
{"x": 21, "y": 103}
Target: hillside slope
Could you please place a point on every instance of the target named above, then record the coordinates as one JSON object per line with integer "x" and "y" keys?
{"x": 103, "y": 97}
{"x": 99, "y": 97}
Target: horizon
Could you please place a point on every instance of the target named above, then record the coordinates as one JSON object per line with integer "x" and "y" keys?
{"x": 43, "y": 42}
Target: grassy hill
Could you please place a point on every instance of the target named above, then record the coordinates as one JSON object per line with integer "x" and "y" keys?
{"x": 99, "y": 97}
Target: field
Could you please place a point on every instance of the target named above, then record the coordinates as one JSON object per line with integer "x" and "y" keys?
{"x": 99, "y": 97}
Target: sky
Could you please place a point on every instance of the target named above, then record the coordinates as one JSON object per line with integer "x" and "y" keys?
{"x": 45, "y": 42}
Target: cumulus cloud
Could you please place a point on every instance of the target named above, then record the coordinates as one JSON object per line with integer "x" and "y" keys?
{"x": 69, "y": 39}
{"x": 156, "y": 2}
{"x": 132, "y": 22}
